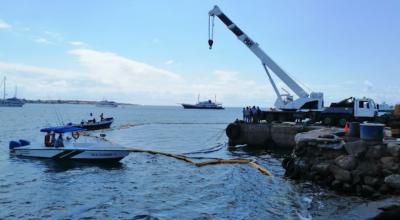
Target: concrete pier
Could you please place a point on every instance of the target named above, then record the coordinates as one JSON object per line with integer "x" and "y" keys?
{"x": 265, "y": 134}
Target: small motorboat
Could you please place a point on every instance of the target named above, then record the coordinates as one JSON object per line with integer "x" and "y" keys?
{"x": 91, "y": 125}
{"x": 100, "y": 151}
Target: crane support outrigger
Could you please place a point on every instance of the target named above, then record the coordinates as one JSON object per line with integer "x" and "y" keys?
{"x": 306, "y": 101}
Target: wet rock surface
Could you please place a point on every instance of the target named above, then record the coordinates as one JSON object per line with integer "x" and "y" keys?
{"x": 350, "y": 166}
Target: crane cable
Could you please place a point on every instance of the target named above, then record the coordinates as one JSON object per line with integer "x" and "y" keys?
{"x": 210, "y": 31}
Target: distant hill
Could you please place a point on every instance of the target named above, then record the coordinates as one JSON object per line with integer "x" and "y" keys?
{"x": 39, "y": 101}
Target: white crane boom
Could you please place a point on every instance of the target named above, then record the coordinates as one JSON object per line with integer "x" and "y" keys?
{"x": 267, "y": 62}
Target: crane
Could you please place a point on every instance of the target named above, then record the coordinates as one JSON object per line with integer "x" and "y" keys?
{"x": 312, "y": 101}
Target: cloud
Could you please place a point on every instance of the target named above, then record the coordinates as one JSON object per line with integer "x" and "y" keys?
{"x": 169, "y": 62}
{"x": 77, "y": 43}
{"x": 109, "y": 75}
{"x": 368, "y": 86}
{"x": 4, "y": 25}
{"x": 54, "y": 36}
{"x": 42, "y": 40}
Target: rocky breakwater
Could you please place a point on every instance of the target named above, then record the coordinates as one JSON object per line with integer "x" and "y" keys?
{"x": 345, "y": 164}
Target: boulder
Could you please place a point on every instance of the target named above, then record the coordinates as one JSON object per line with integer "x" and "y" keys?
{"x": 367, "y": 190}
{"x": 384, "y": 188}
{"x": 393, "y": 181}
{"x": 340, "y": 174}
{"x": 374, "y": 152}
{"x": 371, "y": 181}
{"x": 368, "y": 168}
{"x": 347, "y": 187}
{"x": 356, "y": 148}
{"x": 393, "y": 149}
{"x": 321, "y": 168}
{"x": 336, "y": 184}
{"x": 389, "y": 163}
{"x": 346, "y": 162}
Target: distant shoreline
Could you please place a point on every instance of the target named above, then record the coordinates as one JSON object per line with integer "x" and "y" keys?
{"x": 76, "y": 102}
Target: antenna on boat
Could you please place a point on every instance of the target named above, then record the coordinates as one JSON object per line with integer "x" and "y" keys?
{"x": 198, "y": 98}
{"x": 215, "y": 98}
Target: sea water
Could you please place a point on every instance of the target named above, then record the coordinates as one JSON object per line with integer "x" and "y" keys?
{"x": 144, "y": 186}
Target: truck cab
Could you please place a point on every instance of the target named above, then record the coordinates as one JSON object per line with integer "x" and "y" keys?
{"x": 365, "y": 108}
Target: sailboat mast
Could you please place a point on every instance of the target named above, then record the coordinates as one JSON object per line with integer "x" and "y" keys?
{"x": 4, "y": 89}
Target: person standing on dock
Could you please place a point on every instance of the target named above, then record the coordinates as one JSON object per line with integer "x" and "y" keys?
{"x": 244, "y": 114}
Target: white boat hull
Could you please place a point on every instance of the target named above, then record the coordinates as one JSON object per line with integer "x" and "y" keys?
{"x": 71, "y": 154}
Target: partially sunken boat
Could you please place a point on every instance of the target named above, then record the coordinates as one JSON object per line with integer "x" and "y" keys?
{"x": 72, "y": 150}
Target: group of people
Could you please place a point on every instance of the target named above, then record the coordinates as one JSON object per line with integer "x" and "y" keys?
{"x": 94, "y": 119}
{"x": 50, "y": 140}
{"x": 252, "y": 114}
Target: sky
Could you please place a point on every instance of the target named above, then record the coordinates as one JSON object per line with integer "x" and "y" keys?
{"x": 156, "y": 53}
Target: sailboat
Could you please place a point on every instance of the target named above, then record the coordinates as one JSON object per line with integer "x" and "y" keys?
{"x": 10, "y": 102}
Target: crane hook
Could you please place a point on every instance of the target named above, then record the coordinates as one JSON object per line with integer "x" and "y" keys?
{"x": 210, "y": 31}
{"x": 210, "y": 43}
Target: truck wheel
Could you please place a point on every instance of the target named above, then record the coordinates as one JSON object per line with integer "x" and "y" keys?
{"x": 342, "y": 122}
{"x": 328, "y": 121}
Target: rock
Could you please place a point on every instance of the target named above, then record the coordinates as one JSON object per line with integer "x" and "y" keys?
{"x": 368, "y": 168}
{"x": 347, "y": 187}
{"x": 367, "y": 190}
{"x": 346, "y": 162}
{"x": 356, "y": 177}
{"x": 340, "y": 174}
{"x": 375, "y": 152}
{"x": 356, "y": 148}
{"x": 336, "y": 184}
{"x": 393, "y": 149}
{"x": 393, "y": 181}
{"x": 389, "y": 163}
{"x": 384, "y": 188}
{"x": 371, "y": 181}
{"x": 321, "y": 168}
{"x": 390, "y": 212}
